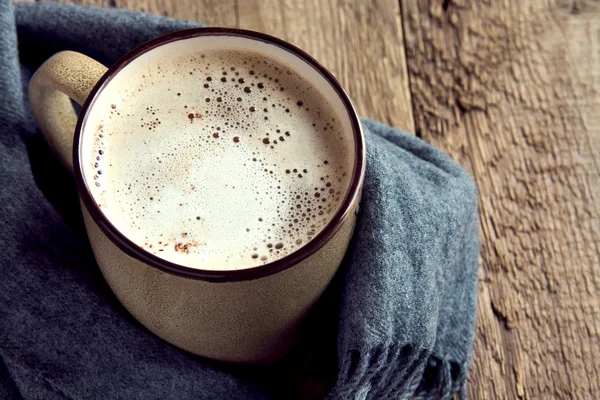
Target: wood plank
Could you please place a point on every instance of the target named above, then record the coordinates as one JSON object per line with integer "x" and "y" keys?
{"x": 213, "y": 12}
{"x": 511, "y": 90}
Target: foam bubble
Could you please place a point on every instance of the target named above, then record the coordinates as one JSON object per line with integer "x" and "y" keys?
{"x": 219, "y": 160}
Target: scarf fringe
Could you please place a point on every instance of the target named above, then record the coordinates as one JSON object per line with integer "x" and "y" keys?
{"x": 400, "y": 373}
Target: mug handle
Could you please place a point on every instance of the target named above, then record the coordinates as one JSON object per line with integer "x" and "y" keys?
{"x": 64, "y": 76}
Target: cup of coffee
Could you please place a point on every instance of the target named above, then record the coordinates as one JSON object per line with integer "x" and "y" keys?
{"x": 219, "y": 172}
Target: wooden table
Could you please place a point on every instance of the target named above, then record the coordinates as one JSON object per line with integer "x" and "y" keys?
{"x": 511, "y": 89}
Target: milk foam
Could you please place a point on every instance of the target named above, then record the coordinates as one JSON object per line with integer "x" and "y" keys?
{"x": 218, "y": 160}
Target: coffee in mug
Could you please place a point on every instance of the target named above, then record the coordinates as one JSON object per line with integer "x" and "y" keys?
{"x": 217, "y": 159}
{"x": 220, "y": 174}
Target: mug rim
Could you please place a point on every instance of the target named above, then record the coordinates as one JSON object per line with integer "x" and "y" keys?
{"x": 130, "y": 248}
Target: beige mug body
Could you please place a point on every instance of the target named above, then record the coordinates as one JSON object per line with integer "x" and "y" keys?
{"x": 250, "y": 315}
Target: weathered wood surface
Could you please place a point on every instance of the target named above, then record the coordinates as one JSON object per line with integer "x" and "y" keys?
{"x": 511, "y": 90}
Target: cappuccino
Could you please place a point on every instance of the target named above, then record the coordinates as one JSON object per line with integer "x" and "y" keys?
{"x": 217, "y": 159}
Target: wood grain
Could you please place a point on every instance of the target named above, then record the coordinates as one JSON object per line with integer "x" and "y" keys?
{"x": 510, "y": 89}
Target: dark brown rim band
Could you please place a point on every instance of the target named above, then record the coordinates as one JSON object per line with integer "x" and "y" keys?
{"x": 133, "y": 250}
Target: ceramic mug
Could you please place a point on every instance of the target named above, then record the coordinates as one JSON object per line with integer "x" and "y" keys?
{"x": 248, "y": 315}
